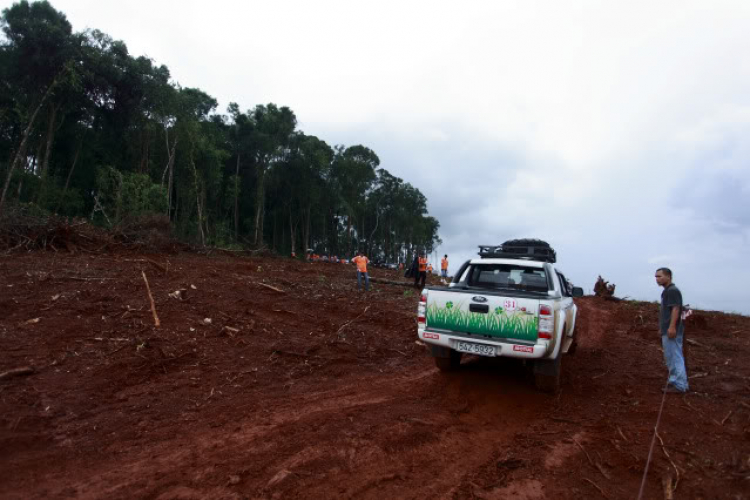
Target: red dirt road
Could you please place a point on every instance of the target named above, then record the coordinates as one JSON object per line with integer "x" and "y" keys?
{"x": 317, "y": 391}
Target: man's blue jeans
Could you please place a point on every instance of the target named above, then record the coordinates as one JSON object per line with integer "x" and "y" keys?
{"x": 675, "y": 361}
{"x": 359, "y": 281}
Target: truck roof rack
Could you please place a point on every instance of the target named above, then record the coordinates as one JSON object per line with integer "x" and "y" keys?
{"x": 526, "y": 249}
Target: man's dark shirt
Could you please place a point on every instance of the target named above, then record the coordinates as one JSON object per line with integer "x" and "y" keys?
{"x": 670, "y": 297}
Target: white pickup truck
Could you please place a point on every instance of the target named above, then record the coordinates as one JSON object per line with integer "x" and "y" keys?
{"x": 510, "y": 302}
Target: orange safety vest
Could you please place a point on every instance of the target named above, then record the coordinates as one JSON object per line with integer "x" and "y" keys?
{"x": 361, "y": 263}
{"x": 422, "y": 264}
{"x": 444, "y": 264}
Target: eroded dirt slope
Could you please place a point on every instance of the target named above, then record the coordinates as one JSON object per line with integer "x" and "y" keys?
{"x": 306, "y": 388}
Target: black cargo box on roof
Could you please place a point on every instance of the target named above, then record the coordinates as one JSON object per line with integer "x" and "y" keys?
{"x": 528, "y": 249}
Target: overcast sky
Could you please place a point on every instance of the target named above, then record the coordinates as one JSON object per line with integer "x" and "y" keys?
{"x": 617, "y": 131}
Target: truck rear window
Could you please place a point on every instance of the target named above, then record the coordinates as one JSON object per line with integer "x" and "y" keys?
{"x": 507, "y": 276}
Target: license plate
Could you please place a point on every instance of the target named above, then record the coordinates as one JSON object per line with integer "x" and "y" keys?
{"x": 480, "y": 349}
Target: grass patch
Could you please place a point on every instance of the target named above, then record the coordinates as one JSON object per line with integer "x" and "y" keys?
{"x": 496, "y": 323}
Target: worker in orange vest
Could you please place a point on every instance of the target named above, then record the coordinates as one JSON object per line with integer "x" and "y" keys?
{"x": 421, "y": 277}
{"x": 444, "y": 266}
{"x": 362, "y": 262}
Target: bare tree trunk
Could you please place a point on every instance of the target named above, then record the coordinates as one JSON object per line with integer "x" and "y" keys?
{"x": 18, "y": 192}
{"x": 70, "y": 174}
{"x": 275, "y": 239}
{"x": 372, "y": 234}
{"x": 306, "y": 236}
{"x": 118, "y": 203}
{"x": 24, "y": 164}
{"x": 236, "y": 199}
{"x": 349, "y": 238}
{"x": 260, "y": 205}
{"x": 170, "y": 169}
{"x": 36, "y": 159}
{"x": 51, "y": 129}
{"x": 170, "y": 155}
{"x": 176, "y": 206}
{"x": 11, "y": 153}
{"x": 361, "y": 235}
{"x": 306, "y": 230}
{"x": 143, "y": 165}
{"x": 198, "y": 199}
{"x": 293, "y": 229}
{"x": 24, "y": 140}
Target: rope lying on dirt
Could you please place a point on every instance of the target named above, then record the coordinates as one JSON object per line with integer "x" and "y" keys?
{"x": 653, "y": 439}
{"x": 26, "y": 370}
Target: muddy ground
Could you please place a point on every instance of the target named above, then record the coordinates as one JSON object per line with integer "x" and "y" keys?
{"x": 314, "y": 390}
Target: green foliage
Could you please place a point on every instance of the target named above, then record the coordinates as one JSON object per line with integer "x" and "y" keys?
{"x": 117, "y": 138}
{"x": 128, "y": 195}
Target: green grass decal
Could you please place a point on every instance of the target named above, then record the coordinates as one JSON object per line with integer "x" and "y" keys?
{"x": 497, "y": 323}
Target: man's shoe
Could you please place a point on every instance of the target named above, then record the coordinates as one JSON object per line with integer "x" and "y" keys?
{"x": 672, "y": 390}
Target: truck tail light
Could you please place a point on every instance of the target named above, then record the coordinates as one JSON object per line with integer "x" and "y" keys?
{"x": 546, "y": 322}
{"x": 421, "y": 309}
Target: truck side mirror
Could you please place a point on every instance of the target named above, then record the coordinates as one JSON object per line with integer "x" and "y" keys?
{"x": 577, "y": 291}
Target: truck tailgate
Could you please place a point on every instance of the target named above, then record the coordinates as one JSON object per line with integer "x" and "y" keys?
{"x": 483, "y": 314}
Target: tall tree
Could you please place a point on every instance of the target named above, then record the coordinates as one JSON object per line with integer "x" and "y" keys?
{"x": 272, "y": 131}
{"x": 39, "y": 50}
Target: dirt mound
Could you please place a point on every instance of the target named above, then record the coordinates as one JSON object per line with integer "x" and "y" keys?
{"x": 274, "y": 378}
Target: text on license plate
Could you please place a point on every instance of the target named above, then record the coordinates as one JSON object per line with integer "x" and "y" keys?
{"x": 480, "y": 349}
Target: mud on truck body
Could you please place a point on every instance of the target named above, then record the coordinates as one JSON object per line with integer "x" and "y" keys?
{"x": 512, "y": 302}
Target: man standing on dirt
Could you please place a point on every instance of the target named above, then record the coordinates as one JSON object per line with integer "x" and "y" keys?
{"x": 421, "y": 277}
{"x": 413, "y": 269}
{"x": 362, "y": 262}
{"x": 672, "y": 331}
{"x": 444, "y": 267}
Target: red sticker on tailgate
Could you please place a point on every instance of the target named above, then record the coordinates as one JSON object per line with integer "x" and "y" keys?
{"x": 523, "y": 348}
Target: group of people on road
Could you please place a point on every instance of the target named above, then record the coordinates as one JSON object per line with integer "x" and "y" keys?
{"x": 418, "y": 270}
{"x": 420, "y": 267}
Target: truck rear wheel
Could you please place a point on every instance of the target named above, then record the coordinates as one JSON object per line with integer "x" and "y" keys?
{"x": 547, "y": 383}
{"x": 573, "y": 347}
{"x": 452, "y": 362}
{"x": 547, "y": 375}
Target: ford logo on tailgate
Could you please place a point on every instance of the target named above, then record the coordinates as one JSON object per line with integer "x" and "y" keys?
{"x": 479, "y": 299}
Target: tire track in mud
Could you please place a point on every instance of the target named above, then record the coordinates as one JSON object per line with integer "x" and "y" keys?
{"x": 420, "y": 432}
{"x": 413, "y": 435}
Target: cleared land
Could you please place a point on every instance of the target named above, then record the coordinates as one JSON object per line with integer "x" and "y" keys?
{"x": 272, "y": 378}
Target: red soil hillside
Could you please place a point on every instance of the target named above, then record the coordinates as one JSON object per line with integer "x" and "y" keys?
{"x": 273, "y": 378}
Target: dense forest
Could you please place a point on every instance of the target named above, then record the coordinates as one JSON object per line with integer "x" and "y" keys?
{"x": 88, "y": 130}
